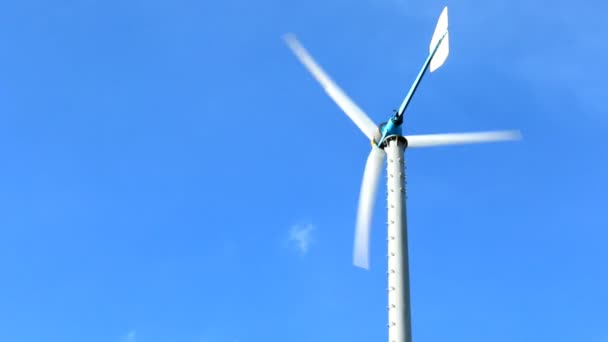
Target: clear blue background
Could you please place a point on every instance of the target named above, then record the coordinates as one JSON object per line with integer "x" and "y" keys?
{"x": 156, "y": 155}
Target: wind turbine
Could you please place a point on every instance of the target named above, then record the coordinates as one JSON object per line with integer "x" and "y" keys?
{"x": 388, "y": 142}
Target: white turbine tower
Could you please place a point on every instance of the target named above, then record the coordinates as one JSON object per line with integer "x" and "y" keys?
{"x": 387, "y": 141}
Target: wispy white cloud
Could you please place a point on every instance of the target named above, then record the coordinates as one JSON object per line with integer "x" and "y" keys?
{"x": 129, "y": 337}
{"x": 300, "y": 236}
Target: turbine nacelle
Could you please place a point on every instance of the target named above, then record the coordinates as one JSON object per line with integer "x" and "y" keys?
{"x": 392, "y": 127}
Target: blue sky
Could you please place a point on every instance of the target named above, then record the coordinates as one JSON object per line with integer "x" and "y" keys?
{"x": 170, "y": 172}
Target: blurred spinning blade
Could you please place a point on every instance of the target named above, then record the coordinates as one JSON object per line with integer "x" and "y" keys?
{"x": 444, "y": 139}
{"x": 365, "y": 124}
{"x": 367, "y": 197}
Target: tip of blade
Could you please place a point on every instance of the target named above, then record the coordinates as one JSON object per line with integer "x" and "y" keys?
{"x": 361, "y": 261}
{"x": 363, "y": 266}
{"x": 290, "y": 39}
{"x": 517, "y": 135}
{"x": 514, "y": 135}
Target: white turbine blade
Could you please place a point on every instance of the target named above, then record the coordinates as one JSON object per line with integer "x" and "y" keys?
{"x": 430, "y": 140}
{"x": 365, "y": 124}
{"x": 443, "y": 50}
{"x": 440, "y": 29}
{"x": 442, "y": 53}
{"x": 367, "y": 197}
